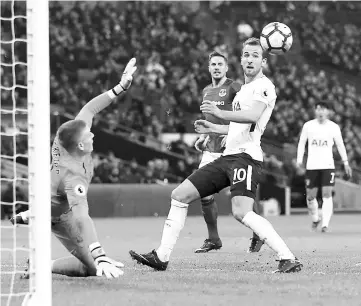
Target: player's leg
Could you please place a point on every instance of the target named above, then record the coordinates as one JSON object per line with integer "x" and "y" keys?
{"x": 256, "y": 242}
{"x": 245, "y": 174}
{"x": 312, "y": 184}
{"x": 242, "y": 211}
{"x": 210, "y": 212}
{"x": 81, "y": 264}
{"x": 202, "y": 183}
{"x": 328, "y": 181}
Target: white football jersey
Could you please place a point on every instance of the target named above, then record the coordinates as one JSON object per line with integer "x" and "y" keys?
{"x": 320, "y": 137}
{"x": 246, "y": 137}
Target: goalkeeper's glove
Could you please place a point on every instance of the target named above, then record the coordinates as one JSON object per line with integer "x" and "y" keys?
{"x": 105, "y": 265}
{"x": 127, "y": 77}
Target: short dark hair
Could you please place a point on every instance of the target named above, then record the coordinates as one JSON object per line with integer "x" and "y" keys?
{"x": 69, "y": 132}
{"x": 324, "y": 104}
{"x": 215, "y": 53}
{"x": 253, "y": 41}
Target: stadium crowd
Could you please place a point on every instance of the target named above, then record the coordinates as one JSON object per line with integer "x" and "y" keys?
{"x": 90, "y": 42}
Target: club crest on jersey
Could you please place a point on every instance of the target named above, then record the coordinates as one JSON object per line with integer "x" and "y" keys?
{"x": 80, "y": 190}
{"x": 222, "y": 92}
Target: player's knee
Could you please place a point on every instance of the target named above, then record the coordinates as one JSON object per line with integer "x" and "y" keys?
{"x": 185, "y": 193}
{"x": 207, "y": 201}
{"x": 311, "y": 195}
{"x": 179, "y": 196}
{"x": 241, "y": 206}
{"x": 326, "y": 194}
{"x": 310, "y": 198}
{"x": 240, "y": 211}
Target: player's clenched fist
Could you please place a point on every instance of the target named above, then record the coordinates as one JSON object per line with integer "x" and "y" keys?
{"x": 203, "y": 126}
{"x": 210, "y": 108}
{"x": 105, "y": 265}
{"x": 127, "y": 77}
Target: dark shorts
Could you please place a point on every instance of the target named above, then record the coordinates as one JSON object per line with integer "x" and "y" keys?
{"x": 320, "y": 178}
{"x": 239, "y": 171}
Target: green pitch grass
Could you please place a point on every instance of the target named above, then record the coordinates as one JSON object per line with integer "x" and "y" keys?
{"x": 331, "y": 273}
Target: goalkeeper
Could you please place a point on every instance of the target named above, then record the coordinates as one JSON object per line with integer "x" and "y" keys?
{"x": 71, "y": 173}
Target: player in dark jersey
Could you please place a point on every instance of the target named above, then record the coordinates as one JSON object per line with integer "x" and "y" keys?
{"x": 221, "y": 92}
{"x": 71, "y": 173}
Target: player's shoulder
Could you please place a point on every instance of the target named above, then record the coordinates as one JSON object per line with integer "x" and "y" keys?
{"x": 265, "y": 82}
{"x": 333, "y": 125}
{"x": 236, "y": 86}
{"x": 58, "y": 173}
{"x": 209, "y": 86}
{"x": 71, "y": 176}
{"x": 310, "y": 122}
{"x": 265, "y": 88}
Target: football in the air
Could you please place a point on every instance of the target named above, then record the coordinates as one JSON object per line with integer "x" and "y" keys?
{"x": 276, "y": 38}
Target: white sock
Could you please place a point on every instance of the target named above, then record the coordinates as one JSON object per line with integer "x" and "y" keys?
{"x": 173, "y": 225}
{"x": 320, "y": 214}
{"x": 264, "y": 229}
{"x": 313, "y": 208}
{"x": 327, "y": 211}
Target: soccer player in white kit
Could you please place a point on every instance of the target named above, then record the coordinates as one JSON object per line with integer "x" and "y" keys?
{"x": 221, "y": 92}
{"x": 321, "y": 134}
{"x": 239, "y": 167}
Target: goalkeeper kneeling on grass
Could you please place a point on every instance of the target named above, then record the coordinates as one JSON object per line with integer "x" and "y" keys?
{"x": 71, "y": 173}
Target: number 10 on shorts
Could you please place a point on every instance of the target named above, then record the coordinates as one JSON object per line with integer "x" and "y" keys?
{"x": 241, "y": 174}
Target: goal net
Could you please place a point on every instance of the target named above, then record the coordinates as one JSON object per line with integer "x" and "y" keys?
{"x": 25, "y": 152}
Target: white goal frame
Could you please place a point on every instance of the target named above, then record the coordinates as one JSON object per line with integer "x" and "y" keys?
{"x": 38, "y": 74}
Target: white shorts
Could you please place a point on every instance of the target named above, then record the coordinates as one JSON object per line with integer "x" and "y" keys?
{"x": 208, "y": 157}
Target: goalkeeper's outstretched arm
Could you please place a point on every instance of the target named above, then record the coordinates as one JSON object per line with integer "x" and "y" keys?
{"x": 100, "y": 102}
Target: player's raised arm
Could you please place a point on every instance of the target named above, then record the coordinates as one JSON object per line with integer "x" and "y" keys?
{"x": 301, "y": 145}
{"x": 342, "y": 150}
{"x": 100, "y": 102}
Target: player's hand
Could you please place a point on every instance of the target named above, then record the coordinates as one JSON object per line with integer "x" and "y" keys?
{"x": 210, "y": 108}
{"x": 129, "y": 70}
{"x": 108, "y": 267}
{"x": 348, "y": 171}
{"x": 201, "y": 143}
{"x": 105, "y": 265}
{"x": 203, "y": 126}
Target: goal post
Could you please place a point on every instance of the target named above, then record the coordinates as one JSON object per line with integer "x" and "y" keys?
{"x": 32, "y": 69}
{"x": 39, "y": 153}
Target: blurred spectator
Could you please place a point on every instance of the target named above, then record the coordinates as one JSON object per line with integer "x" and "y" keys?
{"x": 91, "y": 41}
